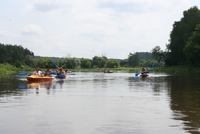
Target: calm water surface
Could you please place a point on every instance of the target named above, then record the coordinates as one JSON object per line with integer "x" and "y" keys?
{"x": 98, "y": 103}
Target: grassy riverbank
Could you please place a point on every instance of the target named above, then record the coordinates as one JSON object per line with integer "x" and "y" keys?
{"x": 178, "y": 69}
{"x": 7, "y": 69}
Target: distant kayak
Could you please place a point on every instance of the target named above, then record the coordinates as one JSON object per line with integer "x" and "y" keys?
{"x": 108, "y": 72}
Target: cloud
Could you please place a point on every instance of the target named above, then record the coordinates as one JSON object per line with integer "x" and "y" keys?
{"x": 123, "y": 7}
{"x": 47, "y": 6}
{"x": 32, "y": 29}
{"x": 90, "y": 27}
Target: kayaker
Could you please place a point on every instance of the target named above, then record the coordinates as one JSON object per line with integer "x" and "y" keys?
{"x": 38, "y": 72}
{"x": 47, "y": 71}
{"x": 67, "y": 71}
{"x": 60, "y": 71}
{"x": 144, "y": 71}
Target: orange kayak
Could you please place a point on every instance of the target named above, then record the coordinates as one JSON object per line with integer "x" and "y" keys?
{"x": 36, "y": 78}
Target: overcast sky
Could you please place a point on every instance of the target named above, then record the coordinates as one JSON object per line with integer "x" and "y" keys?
{"x": 88, "y": 28}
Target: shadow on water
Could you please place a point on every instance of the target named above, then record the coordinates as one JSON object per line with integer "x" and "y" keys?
{"x": 185, "y": 100}
{"x": 10, "y": 86}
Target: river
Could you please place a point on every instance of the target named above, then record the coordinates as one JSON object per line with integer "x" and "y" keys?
{"x": 102, "y": 103}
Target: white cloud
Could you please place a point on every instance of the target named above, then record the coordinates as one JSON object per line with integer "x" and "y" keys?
{"x": 88, "y": 28}
{"x": 32, "y": 29}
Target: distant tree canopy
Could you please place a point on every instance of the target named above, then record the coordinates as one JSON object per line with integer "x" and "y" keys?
{"x": 16, "y": 55}
{"x": 112, "y": 63}
{"x": 184, "y": 39}
{"x": 99, "y": 61}
{"x": 86, "y": 63}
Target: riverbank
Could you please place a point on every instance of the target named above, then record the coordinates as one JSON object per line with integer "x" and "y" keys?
{"x": 178, "y": 69}
{"x": 7, "y": 69}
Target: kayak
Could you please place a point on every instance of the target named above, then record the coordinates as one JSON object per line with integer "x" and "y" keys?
{"x": 61, "y": 76}
{"x": 108, "y": 72}
{"x": 144, "y": 75}
{"x": 36, "y": 78}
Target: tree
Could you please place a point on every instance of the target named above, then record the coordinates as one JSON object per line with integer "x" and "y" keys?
{"x": 86, "y": 63}
{"x": 158, "y": 54}
{"x": 112, "y": 63}
{"x": 13, "y": 53}
{"x": 99, "y": 61}
{"x": 192, "y": 48}
{"x": 124, "y": 63}
{"x": 71, "y": 63}
{"x": 133, "y": 59}
{"x": 30, "y": 61}
{"x": 179, "y": 36}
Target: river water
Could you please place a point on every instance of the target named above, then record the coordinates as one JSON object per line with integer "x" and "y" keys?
{"x": 98, "y": 103}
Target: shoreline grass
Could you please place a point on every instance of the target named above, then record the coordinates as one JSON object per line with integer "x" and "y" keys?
{"x": 7, "y": 69}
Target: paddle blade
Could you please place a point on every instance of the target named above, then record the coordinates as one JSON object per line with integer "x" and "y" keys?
{"x": 152, "y": 68}
{"x": 54, "y": 64}
{"x": 53, "y": 73}
{"x": 21, "y": 74}
{"x": 136, "y": 74}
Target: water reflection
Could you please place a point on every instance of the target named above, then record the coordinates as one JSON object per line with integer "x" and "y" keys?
{"x": 105, "y": 103}
{"x": 10, "y": 86}
{"x": 185, "y": 100}
{"x": 57, "y": 84}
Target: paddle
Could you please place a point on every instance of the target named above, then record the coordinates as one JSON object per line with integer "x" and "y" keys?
{"x": 54, "y": 64}
{"x": 53, "y": 73}
{"x": 136, "y": 74}
{"x": 22, "y": 74}
{"x": 151, "y": 66}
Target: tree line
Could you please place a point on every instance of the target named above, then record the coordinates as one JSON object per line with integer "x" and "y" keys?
{"x": 20, "y": 57}
{"x": 184, "y": 43}
{"x": 16, "y": 55}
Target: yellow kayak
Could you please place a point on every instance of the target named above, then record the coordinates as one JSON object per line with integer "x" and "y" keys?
{"x": 36, "y": 78}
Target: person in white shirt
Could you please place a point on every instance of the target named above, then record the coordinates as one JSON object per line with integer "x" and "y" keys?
{"x": 38, "y": 72}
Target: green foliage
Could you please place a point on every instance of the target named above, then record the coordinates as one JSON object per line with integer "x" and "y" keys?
{"x": 112, "y": 63}
{"x": 147, "y": 63}
{"x": 133, "y": 59}
{"x": 145, "y": 55}
{"x": 86, "y": 63}
{"x": 13, "y": 53}
{"x": 30, "y": 60}
{"x": 7, "y": 69}
{"x": 158, "y": 54}
{"x": 99, "y": 61}
{"x": 18, "y": 64}
{"x": 181, "y": 32}
{"x": 71, "y": 63}
{"x": 124, "y": 63}
{"x": 192, "y": 48}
